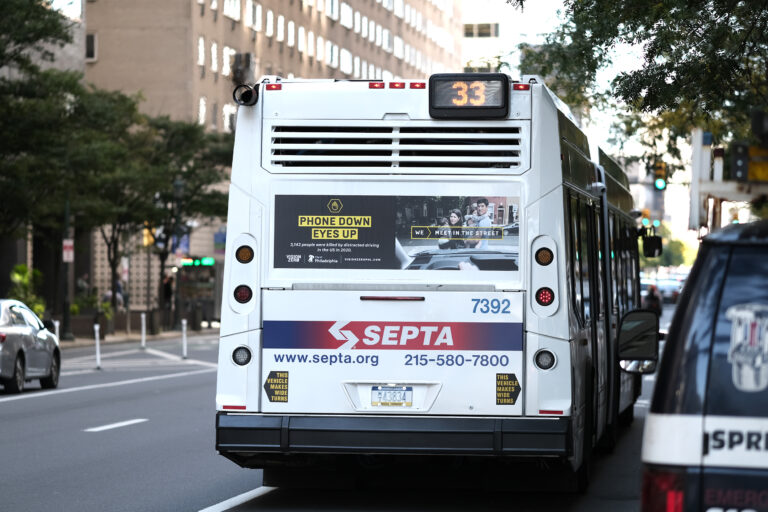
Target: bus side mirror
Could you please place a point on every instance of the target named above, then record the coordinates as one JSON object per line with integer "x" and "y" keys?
{"x": 639, "y": 341}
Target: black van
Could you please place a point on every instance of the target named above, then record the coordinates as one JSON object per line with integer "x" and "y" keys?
{"x": 705, "y": 446}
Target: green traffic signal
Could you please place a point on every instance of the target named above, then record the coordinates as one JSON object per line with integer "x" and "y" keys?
{"x": 660, "y": 184}
{"x": 646, "y": 221}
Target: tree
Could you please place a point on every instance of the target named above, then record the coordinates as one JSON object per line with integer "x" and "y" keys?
{"x": 192, "y": 164}
{"x": 704, "y": 64}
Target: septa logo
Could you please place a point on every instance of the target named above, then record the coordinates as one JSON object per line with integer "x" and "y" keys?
{"x": 394, "y": 335}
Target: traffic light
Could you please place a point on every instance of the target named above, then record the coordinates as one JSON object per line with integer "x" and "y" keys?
{"x": 660, "y": 175}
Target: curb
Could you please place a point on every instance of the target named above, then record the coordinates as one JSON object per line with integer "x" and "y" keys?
{"x": 125, "y": 338}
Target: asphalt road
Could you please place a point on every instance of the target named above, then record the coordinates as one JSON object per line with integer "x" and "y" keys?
{"x": 138, "y": 435}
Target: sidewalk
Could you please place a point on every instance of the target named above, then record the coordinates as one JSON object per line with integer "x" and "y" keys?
{"x": 122, "y": 337}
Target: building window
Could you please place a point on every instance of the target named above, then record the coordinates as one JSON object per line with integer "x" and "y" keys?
{"x": 226, "y": 60}
{"x": 399, "y": 47}
{"x": 214, "y": 4}
{"x": 291, "y": 34}
{"x": 232, "y": 9}
{"x": 214, "y": 57}
{"x": 345, "y": 61}
{"x": 356, "y": 23}
{"x": 302, "y": 43}
{"x": 328, "y": 52}
{"x": 310, "y": 43}
{"x": 332, "y": 9}
{"x": 347, "y": 17}
{"x": 281, "y": 28}
{"x": 248, "y": 13}
{"x": 399, "y": 8}
{"x": 201, "y": 51}
{"x": 214, "y": 118}
{"x": 90, "y": 47}
{"x": 201, "y": 111}
{"x": 356, "y": 67}
{"x": 379, "y": 31}
{"x": 372, "y": 31}
{"x": 364, "y": 27}
{"x": 386, "y": 40}
{"x": 228, "y": 115}
{"x": 481, "y": 30}
{"x": 269, "y": 31}
{"x": 320, "y": 48}
{"x": 257, "y": 17}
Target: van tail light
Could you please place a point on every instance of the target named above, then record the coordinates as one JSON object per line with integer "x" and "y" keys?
{"x": 663, "y": 490}
{"x": 2, "y": 337}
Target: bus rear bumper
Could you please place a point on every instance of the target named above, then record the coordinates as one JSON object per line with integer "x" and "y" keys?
{"x": 244, "y": 435}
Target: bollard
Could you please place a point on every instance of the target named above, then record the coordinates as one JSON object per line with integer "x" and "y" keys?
{"x": 56, "y": 328}
{"x": 143, "y": 331}
{"x": 184, "y": 338}
{"x": 96, "y": 328}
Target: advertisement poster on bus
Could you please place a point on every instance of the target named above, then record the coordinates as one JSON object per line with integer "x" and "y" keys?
{"x": 403, "y": 232}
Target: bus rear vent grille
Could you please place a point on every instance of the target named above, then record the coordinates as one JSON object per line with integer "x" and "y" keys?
{"x": 395, "y": 146}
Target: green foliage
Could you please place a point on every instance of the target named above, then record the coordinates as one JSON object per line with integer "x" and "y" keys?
{"x": 703, "y": 65}
{"x": 107, "y": 310}
{"x": 23, "y": 286}
{"x": 26, "y": 27}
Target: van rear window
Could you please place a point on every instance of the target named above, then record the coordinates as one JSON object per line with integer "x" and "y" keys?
{"x": 738, "y": 376}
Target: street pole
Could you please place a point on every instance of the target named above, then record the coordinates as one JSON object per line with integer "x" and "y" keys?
{"x": 66, "y": 333}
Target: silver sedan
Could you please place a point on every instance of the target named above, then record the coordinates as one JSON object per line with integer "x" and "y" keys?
{"x": 28, "y": 350}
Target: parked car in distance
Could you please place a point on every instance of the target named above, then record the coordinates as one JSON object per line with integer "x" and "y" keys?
{"x": 28, "y": 349}
{"x": 669, "y": 289}
{"x": 705, "y": 445}
{"x": 512, "y": 229}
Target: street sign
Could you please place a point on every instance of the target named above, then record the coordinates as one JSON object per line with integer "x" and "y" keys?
{"x": 68, "y": 250}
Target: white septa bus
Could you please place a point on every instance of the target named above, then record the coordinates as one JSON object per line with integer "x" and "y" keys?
{"x": 421, "y": 268}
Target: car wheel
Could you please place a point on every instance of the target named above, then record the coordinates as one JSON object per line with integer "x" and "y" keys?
{"x": 16, "y": 383}
{"x": 52, "y": 380}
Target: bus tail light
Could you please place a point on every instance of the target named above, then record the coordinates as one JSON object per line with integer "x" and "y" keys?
{"x": 241, "y": 356}
{"x": 521, "y": 87}
{"x": 397, "y": 85}
{"x": 375, "y": 85}
{"x": 243, "y": 294}
{"x": 663, "y": 490}
{"x": 418, "y": 85}
{"x": 274, "y": 87}
{"x": 544, "y": 256}
{"x": 545, "y": 296}
{"x": 244, "y": 254}
{"x": 544, "y": 359}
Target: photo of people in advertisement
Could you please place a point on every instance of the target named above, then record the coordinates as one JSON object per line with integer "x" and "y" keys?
{"x": 403, "y": 233}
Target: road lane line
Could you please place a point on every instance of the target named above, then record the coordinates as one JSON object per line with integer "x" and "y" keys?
{"x": 116, "y": 425}
{"x": 106, "y": 385}
{"x": 239, "y": 500}
{"x": 174, "y": 357}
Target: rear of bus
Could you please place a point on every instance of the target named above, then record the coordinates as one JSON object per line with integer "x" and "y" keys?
{"x": 354, "y": 320}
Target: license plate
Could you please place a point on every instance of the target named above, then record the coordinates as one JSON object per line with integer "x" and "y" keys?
{"x": 392, "y": 396}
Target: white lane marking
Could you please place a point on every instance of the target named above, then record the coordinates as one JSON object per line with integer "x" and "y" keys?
{"x": 116, "y": 425}
{"x": 239, "y": 500}
{"x": 103, "y": 356}
{"x": 174, "y": 357}
{"x": 77, "y": 372}
{"x": 106, "y": 385}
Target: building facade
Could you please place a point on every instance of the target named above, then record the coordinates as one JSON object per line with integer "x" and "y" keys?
{"x": 186, "y": 56}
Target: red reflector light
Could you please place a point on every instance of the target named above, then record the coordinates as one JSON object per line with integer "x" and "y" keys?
{"x": 274, "y": 87}
{"x": 397, "y": 85}
{"x": 663, "y": 491}
{"x": 2, "y": 337}
{"x": 559, "y": 413}
{"x": 243, "y": 294}
{"x": 234, "y": 407}
{"x": 521, "y": 87}
{"x": 545, "y": 296}
{"x": 418, "y": 85}
{"x": 375, "y": 85}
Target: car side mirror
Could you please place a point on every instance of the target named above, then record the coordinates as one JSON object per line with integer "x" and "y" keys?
{"x": 639, "y": 341}
{"x": 48, "y": 324}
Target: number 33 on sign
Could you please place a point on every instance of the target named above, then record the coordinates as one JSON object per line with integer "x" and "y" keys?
{"x": 463, "y": 91}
